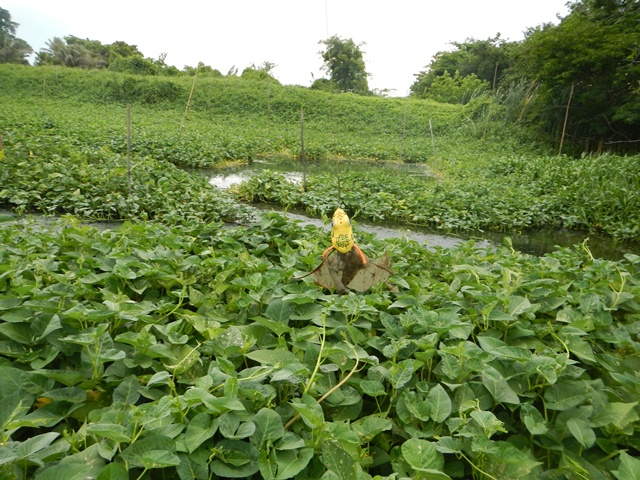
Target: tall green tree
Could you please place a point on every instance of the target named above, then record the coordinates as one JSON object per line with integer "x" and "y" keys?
{"x": 344, "y": 62}
{"x": 12, "y": 49}
{"x": 588, "y": 69}
{"x": 486, "y": 59}
{"x": 71, "y": 51}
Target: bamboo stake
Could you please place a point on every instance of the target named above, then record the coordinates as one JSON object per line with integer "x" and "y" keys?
{"x": 193, "y": 87}
{"x": 129, "y": 148}
{"x": 404, "y": 124}
{"x": 566, "y": 118}
{"x": 302, "y": 156}
{"x": 433, "y": 143}
{"x": 44, "y": 94}
{"x": 490, "y": 110}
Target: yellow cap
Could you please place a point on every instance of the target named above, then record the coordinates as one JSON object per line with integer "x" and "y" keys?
{"x": 341, "y": 232}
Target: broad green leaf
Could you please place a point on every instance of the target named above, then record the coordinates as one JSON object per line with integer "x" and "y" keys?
{"x": 292, "y": 462}
{"x": 373, "y": 388}
{"x": 533, "y": 419}
{"x": 189, "y": 469}
{"x": 338, "y": 462}
{"x": 507, "y": 461}
{"x": 370, "y": 426}
{"x": 439, "y": 403}
{"x": 114, "y": 471}
{"x": 9, "y": 303}
{"x": 66, "y": 394}
{"x": 230, "y": 427}
{"x": 563, "y": 396}
{"x": 69, "y": 471}
{"x": 268, "y": 464}
{"x": 11, "y": 409}
{"x": 52, "y": 325}
{"x": 310, "y": 411}
{"x": 449, "y": 445}
{"x": 276, "y": 327}
{"x": 290, "y": 441}
{"x": 128, "y": 392}
{"x": 290, "y": 373}
{"x": 488, "y": 422}
{"x": 581, "y": 349}
{"x": 158, "y": 459}
{"x": 200, "y": 429}
{"x": 6, "y": 456}
{"x": 272, "y": 357}
{"x": 629, "y": 468}
{"x": 422, "y": 455}
{"x": 279, "y": 311}
{"x": 137, "y": 454}
{"x": 496, "y": 384}
{"x": 268, "y": 428}
{"x": 501, "y": 350}
{"x": 581, "y": 432}
{"x": 401, "y": 373}
{"x": 225, "y": 470}
{"x": 228, "y": 424}
{"x": 160, "y": 378}
{"x": 518, "y": 305}
{"x": 231, "y": 387}
{"x": 240, "y": 459}
{"x": 572, "y": 462}
{"x": 18, "y": 332}
{"x": 416, "y": 405}
{"x": 34, "y": 444}
{"x": 117, "y": 433}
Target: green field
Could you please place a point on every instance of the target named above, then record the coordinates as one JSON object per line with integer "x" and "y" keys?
{"x": 175, "y": 346}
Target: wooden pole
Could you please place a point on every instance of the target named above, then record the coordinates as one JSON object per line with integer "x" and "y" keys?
{"x": 129, "y": 148}
{"x": 302, "y": 156}
{"x": 566, "y": 118}
{"x": 433, "y": 143}
{"x": 404, "y": 124}
{"x": 193, "y": 87}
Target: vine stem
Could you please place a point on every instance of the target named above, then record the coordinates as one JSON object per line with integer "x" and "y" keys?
{"x": 476, "y": 467}
{"x": 337, "y": 386}
{"x": 319, "y": 360}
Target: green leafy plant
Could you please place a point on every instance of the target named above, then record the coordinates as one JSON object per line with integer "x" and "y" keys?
{"x": 192, "y": 351}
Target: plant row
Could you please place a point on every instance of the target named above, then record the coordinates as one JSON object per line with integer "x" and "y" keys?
{"x": 194, "y": 352}
{"x": 537, "y": 192}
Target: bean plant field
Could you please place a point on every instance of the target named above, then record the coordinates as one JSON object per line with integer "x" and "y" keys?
{"x": 180, "y": 342}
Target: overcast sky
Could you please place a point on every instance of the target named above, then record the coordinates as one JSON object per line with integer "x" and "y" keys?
{"x": 400, "y": 36}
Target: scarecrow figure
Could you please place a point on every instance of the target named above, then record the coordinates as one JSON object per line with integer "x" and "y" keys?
{"x": 344, "y": 266}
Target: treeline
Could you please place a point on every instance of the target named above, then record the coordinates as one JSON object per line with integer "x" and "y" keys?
{"x": 576, "y": 83}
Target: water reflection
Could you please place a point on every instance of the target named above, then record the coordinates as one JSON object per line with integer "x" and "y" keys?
{"x": 293, "y": 170}
{"x": 536, "y": 242}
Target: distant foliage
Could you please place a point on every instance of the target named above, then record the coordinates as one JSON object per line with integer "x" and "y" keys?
{"x": 592, "y": 56}
{"x": 486, "y": 60}
{"x": 258, "y": 74}
{"x": 456, "y": 89}
{"x": 131, "y": 89}
{"x": 586, "y": 70}
{"x": 344, "y": 61}
{"x": 12, "y": 49}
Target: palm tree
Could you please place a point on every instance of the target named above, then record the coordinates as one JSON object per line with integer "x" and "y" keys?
{"x": 12, "y": 49}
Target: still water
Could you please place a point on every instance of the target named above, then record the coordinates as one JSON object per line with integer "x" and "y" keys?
{"x": 537, "y": 242}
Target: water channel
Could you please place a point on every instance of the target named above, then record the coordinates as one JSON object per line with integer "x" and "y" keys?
{"x": 536, "y": 242}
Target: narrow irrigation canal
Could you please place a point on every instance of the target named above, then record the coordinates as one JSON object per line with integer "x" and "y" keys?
{"x": 536, "y": 242}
